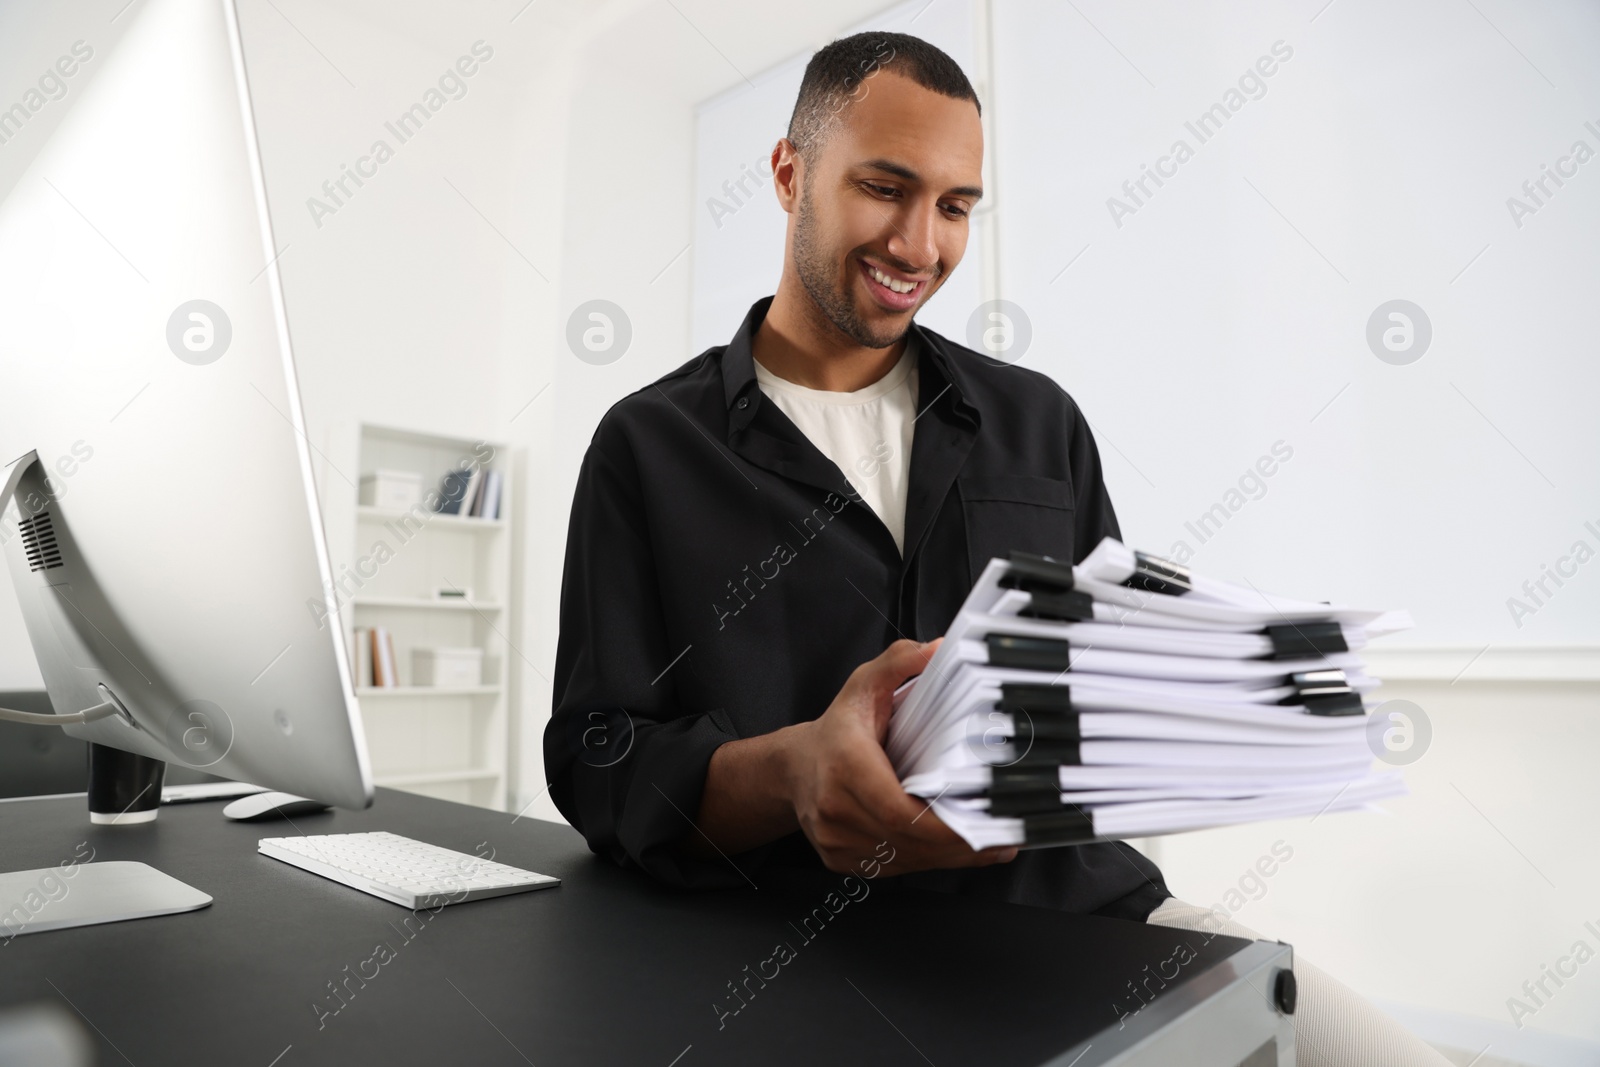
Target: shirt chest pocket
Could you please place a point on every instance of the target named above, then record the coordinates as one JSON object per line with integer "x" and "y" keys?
{"x": 1015, "y": 511}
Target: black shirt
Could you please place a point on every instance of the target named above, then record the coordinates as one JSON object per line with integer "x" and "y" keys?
{"x": 723, "y": 579}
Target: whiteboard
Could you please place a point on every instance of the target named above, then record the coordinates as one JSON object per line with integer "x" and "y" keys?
{"x": 1224, "y": 312}
{"x": 738, "y": 225}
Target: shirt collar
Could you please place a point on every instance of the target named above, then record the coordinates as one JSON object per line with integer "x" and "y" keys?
{"x": 947, "y": 385}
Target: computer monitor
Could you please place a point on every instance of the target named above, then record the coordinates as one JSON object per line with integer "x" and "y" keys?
{"x": 166, "y": 543}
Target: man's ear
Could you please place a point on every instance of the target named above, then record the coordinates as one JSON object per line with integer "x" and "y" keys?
{"x": 788, "y": 170}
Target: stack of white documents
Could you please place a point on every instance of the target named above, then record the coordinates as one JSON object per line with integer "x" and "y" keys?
{"x": 1126, "y": 697}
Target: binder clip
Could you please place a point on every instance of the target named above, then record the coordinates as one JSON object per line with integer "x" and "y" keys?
{"x": 1031, "y": 653}
{"x": 1156, "y": 575}
{"x": 1326, "y": 692}
{"x": 1036, "y": 574}
{"x": 1302, "y": 640}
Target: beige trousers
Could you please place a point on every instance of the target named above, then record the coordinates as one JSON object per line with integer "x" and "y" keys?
{"x": 1333, "y": 1025}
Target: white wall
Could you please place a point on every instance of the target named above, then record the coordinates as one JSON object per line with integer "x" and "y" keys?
{"x": 1225, "y": 310}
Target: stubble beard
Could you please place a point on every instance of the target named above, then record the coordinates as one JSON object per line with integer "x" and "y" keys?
{"x": 830, "y": 293}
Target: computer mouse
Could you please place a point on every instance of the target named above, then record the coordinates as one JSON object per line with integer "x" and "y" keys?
{"x": 271, "y": 806}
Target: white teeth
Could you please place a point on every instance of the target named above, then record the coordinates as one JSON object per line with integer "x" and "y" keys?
{"x": 884, "y": 280}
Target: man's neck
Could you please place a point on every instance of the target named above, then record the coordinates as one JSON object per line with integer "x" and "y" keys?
{"x": 797, "y": 343}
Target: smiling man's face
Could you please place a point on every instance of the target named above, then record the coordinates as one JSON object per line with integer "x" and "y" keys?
{"x": 892, "y": 191}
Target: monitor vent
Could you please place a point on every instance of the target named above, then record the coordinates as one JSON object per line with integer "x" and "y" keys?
{"x": 39, "y": 542}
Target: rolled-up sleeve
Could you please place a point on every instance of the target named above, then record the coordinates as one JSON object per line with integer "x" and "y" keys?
{"x": 626, "y": 762}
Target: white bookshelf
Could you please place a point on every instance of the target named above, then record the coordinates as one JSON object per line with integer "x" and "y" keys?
{"x": 446, "y": 742}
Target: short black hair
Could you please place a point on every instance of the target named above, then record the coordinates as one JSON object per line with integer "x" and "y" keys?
{"x": 836, "y": 72}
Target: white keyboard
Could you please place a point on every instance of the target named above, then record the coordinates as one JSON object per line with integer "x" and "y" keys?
{"x": 411, "y": 873}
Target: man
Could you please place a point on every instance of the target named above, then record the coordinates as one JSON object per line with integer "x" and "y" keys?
{"x": 762, "y": 541}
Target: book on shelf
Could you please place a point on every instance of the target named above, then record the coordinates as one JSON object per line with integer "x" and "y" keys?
{"x": 376, "y": 659}
{"x": 474, "y": 493}
{"x": 471, "y": 493}
{"x": 487, "y": 505}
{"x": 384, "y": 675}
{"x": 454, "y": 490}
{"x": 361, "y": 657}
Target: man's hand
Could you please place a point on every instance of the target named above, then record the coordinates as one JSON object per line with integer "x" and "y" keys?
{"x": 844, "y": 791}
{"x": 831, "y": 779}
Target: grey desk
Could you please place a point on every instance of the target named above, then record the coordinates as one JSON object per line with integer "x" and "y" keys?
{"x": 607, "y": 968}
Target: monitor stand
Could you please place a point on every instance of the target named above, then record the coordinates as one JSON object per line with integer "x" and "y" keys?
{"x": 83, "y": 894}
{"x": 124, "y": 787}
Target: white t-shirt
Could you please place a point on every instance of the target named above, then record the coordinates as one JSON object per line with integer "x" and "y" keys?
{"x": 867, "y": 433}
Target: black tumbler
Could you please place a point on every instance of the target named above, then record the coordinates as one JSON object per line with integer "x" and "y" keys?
{"x": 124, "y": 787}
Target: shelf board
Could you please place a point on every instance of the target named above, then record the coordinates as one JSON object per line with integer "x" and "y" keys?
{"x": 433, "y": 518}
{"x": 426, "y": 691}
{"x": 420, "y": 603}
{"x": 472, "y": 774}
{"x": 406, "y": 435}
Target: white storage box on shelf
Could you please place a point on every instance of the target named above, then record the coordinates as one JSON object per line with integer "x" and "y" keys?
{"x": 391, "y": 490}
{"x": 454, "y": 668}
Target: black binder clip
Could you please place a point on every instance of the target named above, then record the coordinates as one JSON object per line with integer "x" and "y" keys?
{"x": 1051, "y": 738}
{"x": 1072, "y": 825}
{"x": 1033, "y": 699}
{"x": 1071, "y": 606}
{"x": 1030, "y": 653}
{"x": 1301, "y": 640}
{"x": 1156, "y": 575}
{"x": 1010, "y": 805}
{"x": 1015, "y": 779}
{"x": 1044, "y": 726}
{"x": 1050, "y": 583}
{"x": 1021, "y": 789}
{"x": 1325, "y": 693}
{"x": 1034, "y": 573}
